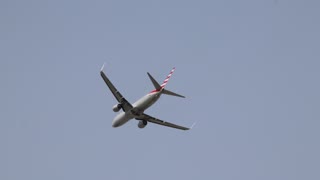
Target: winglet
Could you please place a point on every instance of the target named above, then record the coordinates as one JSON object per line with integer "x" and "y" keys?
{"x": 102, "y": 67}
{"x": 193, "y": 124}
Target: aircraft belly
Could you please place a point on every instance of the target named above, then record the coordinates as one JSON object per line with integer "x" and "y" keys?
{"x": 146, "y": 101}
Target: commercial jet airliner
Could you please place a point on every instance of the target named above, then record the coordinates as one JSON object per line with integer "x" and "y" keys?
{"x": 136, "y": 110}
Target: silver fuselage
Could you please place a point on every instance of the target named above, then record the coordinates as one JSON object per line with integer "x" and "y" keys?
{"x": 138, "y": 107}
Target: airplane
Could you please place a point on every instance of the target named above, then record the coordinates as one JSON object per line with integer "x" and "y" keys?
{"x": 136, "y": 110}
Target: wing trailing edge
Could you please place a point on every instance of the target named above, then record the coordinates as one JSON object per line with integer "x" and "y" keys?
{"x": 160, "y": 122}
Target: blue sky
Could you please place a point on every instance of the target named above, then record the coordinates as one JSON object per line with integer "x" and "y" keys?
{"x": 249, "y": 70}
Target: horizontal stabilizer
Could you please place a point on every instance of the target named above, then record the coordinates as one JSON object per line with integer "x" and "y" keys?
{"x": 167, "y": 92}
{"x": 154, "y": 82}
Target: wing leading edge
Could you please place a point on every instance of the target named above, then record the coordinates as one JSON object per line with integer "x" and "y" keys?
{"x": 160, "y": 122}
{"x": 125, "y": 105}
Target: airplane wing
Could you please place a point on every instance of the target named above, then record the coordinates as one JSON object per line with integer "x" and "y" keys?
{"x": 151, "y": 119}
{"x": 125, "y": 105}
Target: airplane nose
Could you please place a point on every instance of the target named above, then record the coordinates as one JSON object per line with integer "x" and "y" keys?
{"x": 115, "y": 124}
{"x": 116, "y": 121}
{"x": 119, "y": 120}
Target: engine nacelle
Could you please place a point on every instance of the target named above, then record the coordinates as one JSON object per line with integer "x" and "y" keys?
{"x": 116, "y": 107}
{"x": 142, "y": 123}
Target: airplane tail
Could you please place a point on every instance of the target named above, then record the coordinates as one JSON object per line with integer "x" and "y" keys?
{"x": 167, "y": 78}
{"x": 167, "y": 92}
{"x": 161, "y": 87}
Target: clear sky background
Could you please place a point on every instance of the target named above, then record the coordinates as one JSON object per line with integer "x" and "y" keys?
{"x": 249, "y": 70}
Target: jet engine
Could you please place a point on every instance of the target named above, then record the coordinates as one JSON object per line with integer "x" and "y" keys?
{"x": 142, "y": 123}
{"x": 116, "y": 107}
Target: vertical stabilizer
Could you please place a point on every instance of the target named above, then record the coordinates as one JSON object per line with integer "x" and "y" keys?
{"x": 161, "y": 87}
{"x": 167, "y": 78}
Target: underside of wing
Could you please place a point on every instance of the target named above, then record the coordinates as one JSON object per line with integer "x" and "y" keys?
{"x": 125, "y": 105}
{"x": 160, "y": 122}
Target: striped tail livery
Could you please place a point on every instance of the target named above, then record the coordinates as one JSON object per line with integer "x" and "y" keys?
{"x": 136, "y": 110}
{"x": 160, "y": 88}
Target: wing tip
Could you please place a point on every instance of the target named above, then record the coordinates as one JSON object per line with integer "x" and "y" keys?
{"x": 191, "y": 127}
{"x": 102, "y": 67}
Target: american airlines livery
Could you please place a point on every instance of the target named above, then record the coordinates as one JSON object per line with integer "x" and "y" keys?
{"x": 136, "y": 110}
